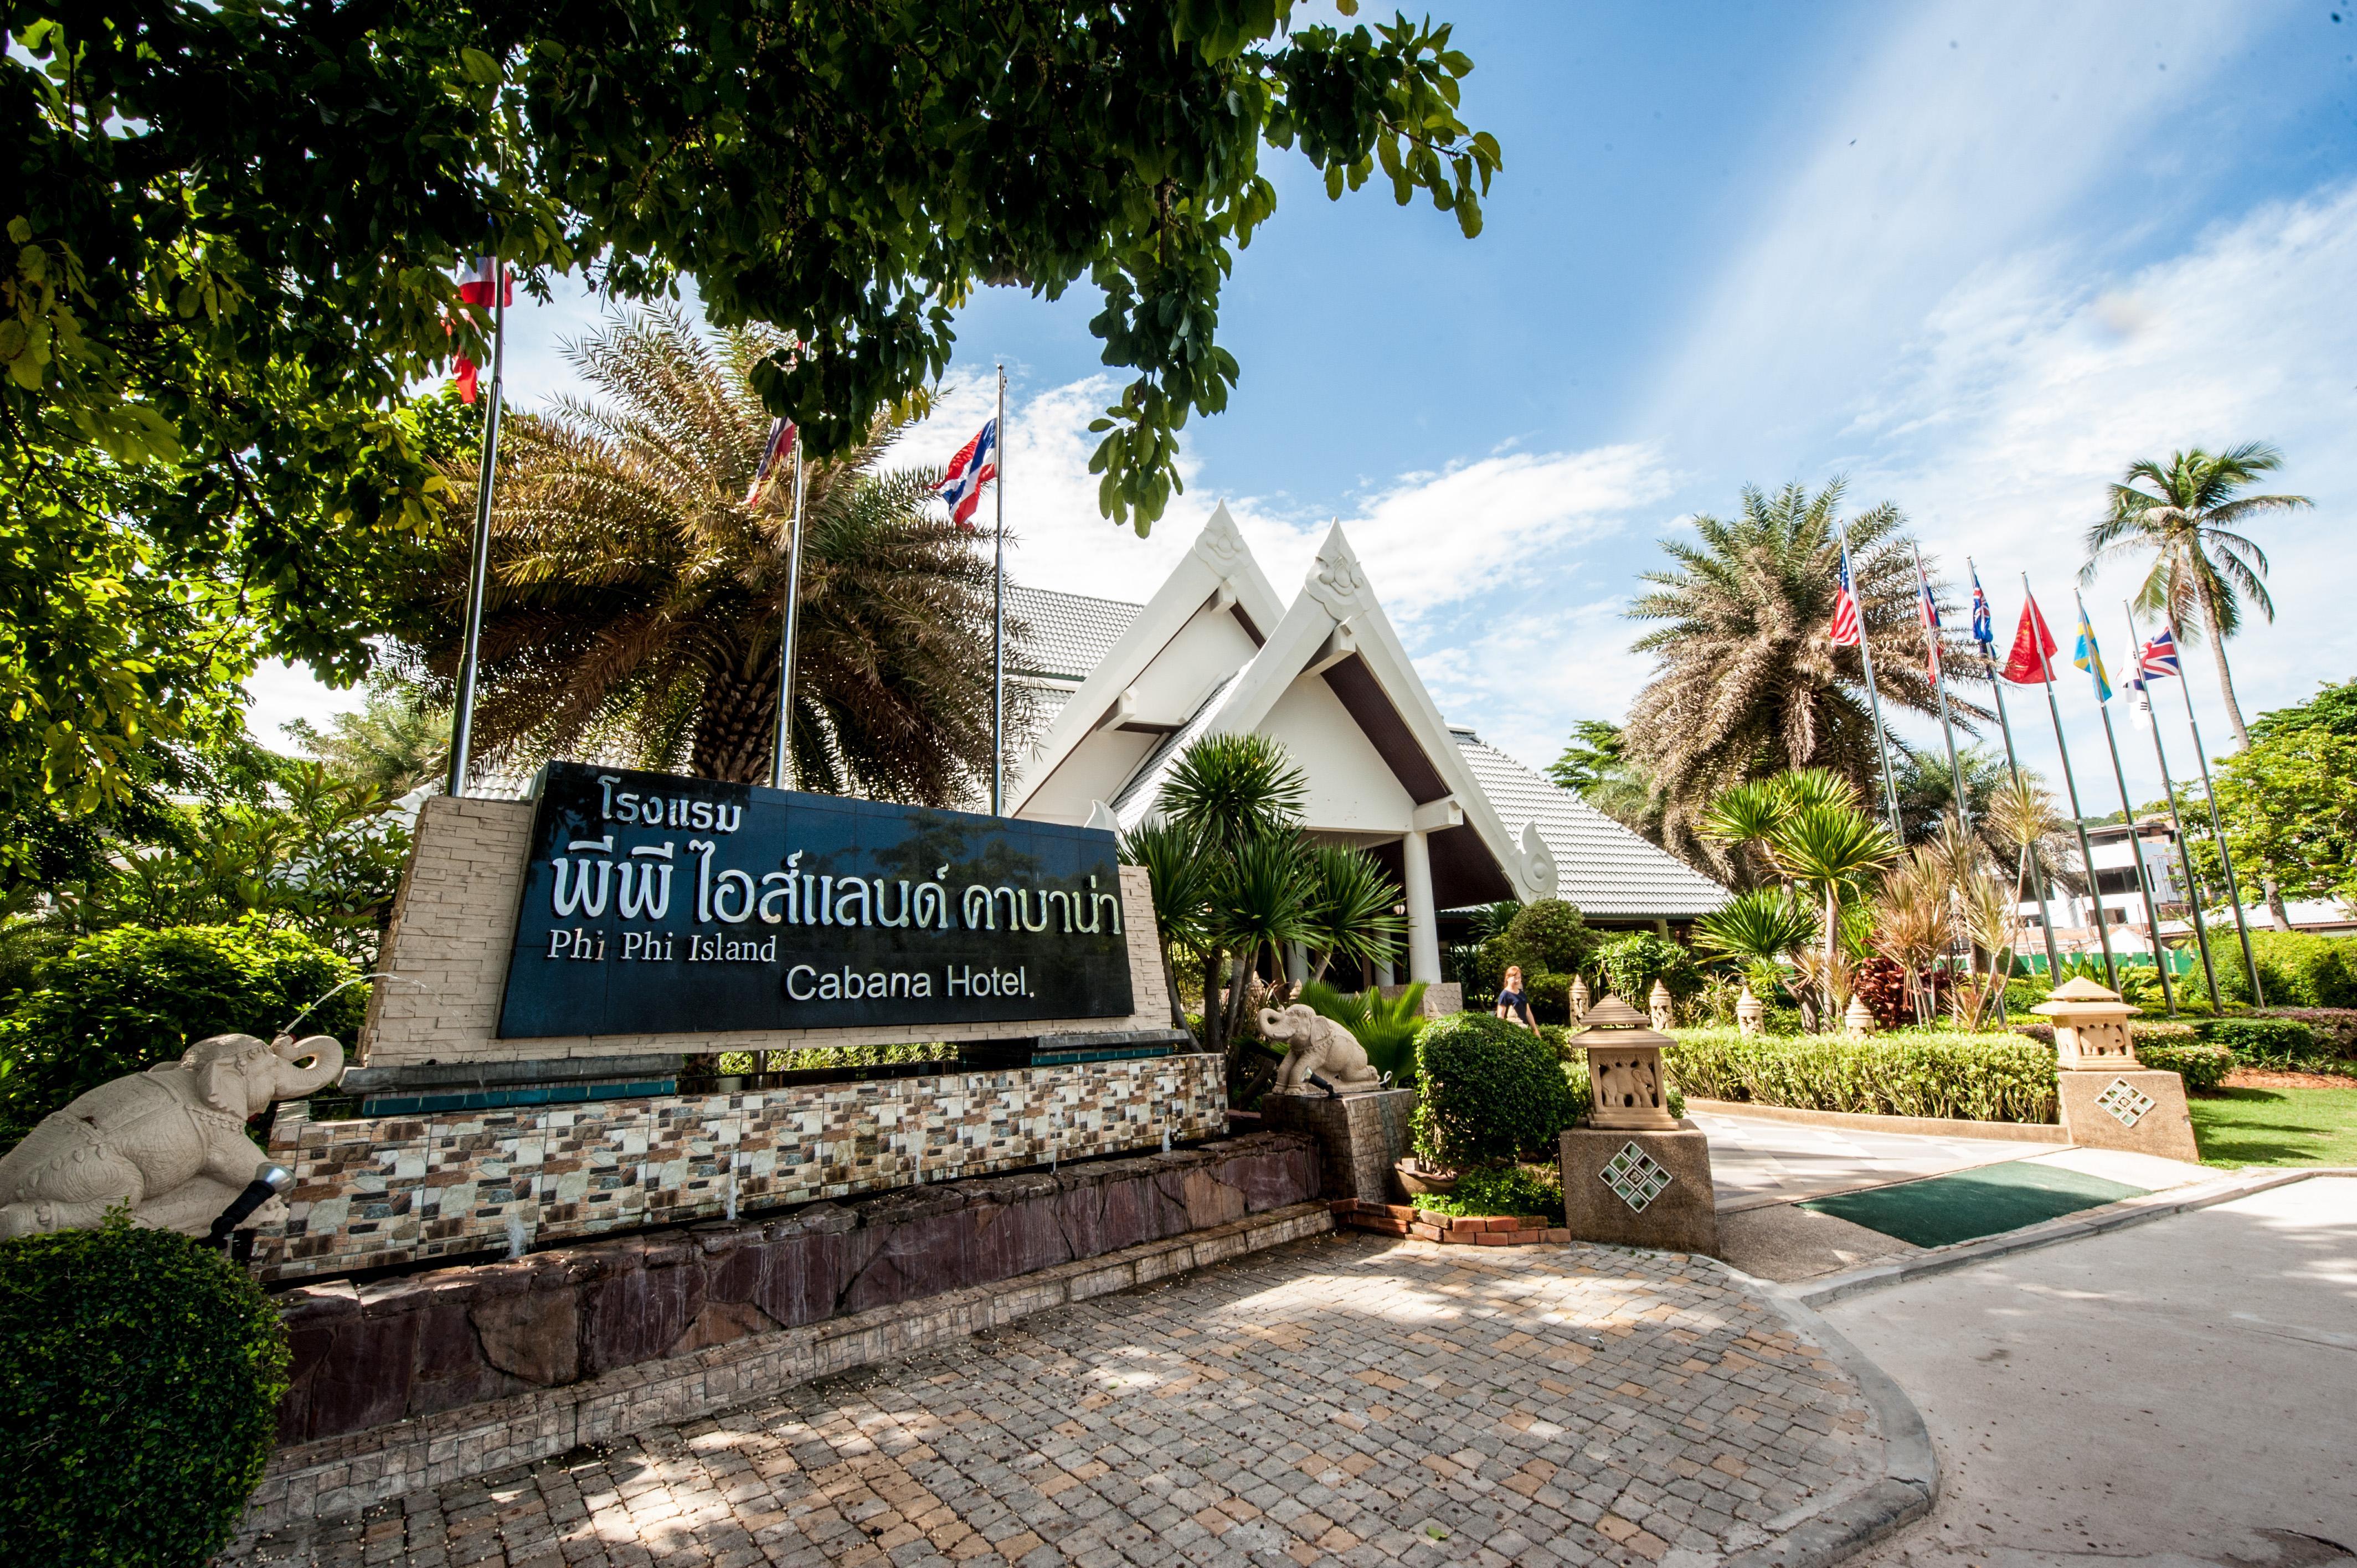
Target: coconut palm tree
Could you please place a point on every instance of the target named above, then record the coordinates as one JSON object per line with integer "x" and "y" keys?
{"x": 2186, "y": 513}
{"x": 637, "y": 592}
{"x": 1749, "y": 680}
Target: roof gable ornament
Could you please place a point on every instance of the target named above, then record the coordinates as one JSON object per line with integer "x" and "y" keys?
{"x": 1336, "y": 580}
{"x": 1538, "y": 862}
{"x": 1221, "y": 545}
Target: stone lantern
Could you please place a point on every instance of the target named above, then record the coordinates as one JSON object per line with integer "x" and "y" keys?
{"x": 1624, "y": 1068}
{"x": 1751, "y": 1013}
{"x": 1859, "y": 1018}
{"x": 1662, "y": 1009}
{"x": 2107, "y": 1099}
{"x": 1578, "y": 999}
{"x": 1635, "y": 1175}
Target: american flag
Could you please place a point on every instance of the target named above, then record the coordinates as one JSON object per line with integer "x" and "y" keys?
{"x": 1931, "y": 610}
{"x": 1845, "y": 632}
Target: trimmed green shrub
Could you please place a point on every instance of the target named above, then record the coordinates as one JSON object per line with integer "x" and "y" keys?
{"x": 2335, "y": 1027}
{"x": 142, "y": 1397}
{"x": 2263, "y": 1042}
{"x": 123, "y": 1000}
{"x": 1974, "y": 1077}
{"x": 1547, "y": 934}
{"x": 1492, "y": 1091}
{"x": 2203, "y": 1066}
{"x": 1632, "y": 962}
{"x": 2297, "y": 969}
{"x": 1502, "y": 1189}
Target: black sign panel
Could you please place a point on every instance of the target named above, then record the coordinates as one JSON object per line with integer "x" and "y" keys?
{"x": 662, "y": 905}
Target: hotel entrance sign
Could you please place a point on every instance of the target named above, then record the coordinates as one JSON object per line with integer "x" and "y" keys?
{"x": 661, "y": 904}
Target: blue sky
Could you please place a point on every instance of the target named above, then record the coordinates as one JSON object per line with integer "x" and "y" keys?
{"x": 1975, "y": 256}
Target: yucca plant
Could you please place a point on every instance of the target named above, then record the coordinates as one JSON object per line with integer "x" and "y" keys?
{"x": 1350, "y": 903}
{"x": 1182, "y": 876}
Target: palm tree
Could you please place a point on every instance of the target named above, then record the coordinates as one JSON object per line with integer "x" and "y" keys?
{"x": 1180, "y": 875}
{"x": 2202, "y": 567}
{"x": 397, "y": 740}
{"x": 637, "y": 594}
{"x": 1750, "y": 682}
{"x": 1350, "y": 904}
{"x": 1813, "y": 833}
{"x": 1762, "y": 929}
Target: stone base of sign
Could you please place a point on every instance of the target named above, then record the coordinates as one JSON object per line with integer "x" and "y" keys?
{"x": 2141, "y": 1111}
{"x": 1360, "y": 1136}
{"x": 500, "y": 1375}
{"x": 1640, "y": 1188}
{"x": 463, "y": 1184}
{"x": 454, "y": 925}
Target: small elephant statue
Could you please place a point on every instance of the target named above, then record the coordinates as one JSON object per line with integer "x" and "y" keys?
{"x": 170, "y": 1142}
{"x": 1316, "y": 1044}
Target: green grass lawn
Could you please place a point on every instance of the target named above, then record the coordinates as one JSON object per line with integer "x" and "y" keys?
{"x": 2277, "y": 1126}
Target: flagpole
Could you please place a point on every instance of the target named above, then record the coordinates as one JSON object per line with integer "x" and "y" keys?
{"x": 2069, "y": 780}
{"x": 2128, "y": 815}
{"x": 1938, "y": 669}
{"x": 999, "y": 614}
{"x": 2218, "y": 829}
{"x": 2013, "y": 762}
{"x": 780, "y": 750}
{"x": 2176, "y": 820}
{"x": 478, "y": 570}
{"x": 1873, "y": 700}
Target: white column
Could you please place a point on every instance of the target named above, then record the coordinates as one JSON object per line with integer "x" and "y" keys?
{"x": 1384, "y": 973}
{"x": 1297, "y": 962}
{"x": 1423, "y": 934}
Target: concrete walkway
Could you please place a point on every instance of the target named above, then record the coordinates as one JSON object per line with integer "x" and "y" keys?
{"x": 2183, "y": 1393}
{"x": 1348, "y": 1400}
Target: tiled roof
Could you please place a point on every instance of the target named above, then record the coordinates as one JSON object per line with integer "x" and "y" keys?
{"x": 1600, "y": 866}
{"x": 1070, "y": 633}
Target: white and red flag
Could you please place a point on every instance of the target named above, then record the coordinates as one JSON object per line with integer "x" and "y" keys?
{"x": 477, "y": 287}
{"x": 975, "y": 466}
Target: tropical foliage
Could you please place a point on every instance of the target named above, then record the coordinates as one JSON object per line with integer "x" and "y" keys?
{"x": 1810, "y": 831}
{"x": 2186, "y": 514}
{"x": 2289, "y": 802}
{"x": 1236, "y": 882}
{"x": 1386, "y": 1027}
{"x": 1595, "y": 765}
{"x": 639, "y": 592}
{"x": 1747, "y": 681}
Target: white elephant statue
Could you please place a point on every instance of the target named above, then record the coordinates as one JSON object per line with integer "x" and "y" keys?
{"x": 170, "y": 1142}
{"x": 1315, "y": 1043}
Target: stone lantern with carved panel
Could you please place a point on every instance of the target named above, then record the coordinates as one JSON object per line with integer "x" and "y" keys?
{"x": 1634, "y": 1175}
{"x": 2106, "y": 1099}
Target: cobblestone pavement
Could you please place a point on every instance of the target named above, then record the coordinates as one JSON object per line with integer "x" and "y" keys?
{"x": 1348, "y": 1400}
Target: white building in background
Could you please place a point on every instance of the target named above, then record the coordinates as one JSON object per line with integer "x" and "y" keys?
{"x": 1120, "y": 688}
{"x": 2123, "y": 852}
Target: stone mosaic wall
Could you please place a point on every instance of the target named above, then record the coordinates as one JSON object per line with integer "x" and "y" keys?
{"x": 390, "y": 1190}
{"x": 410, "y": 1347}
{"x": 454, "y": 925}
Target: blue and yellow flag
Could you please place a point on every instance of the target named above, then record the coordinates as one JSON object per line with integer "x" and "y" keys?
{"x": 2090, "y": 657}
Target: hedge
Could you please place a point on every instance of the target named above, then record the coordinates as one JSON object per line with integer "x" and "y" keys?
{"x": 142, "y": 1397}
{"x": 2203, "y": 1066}
{"x": 2335, "y": 1027}
{"x": 2297, "y": 969}
{"x": 1974, "y": 1077}
{"x": 123, "y": 1000}
{"x": 2265, "y": 1042}
{"x": 1492, "y": 1091}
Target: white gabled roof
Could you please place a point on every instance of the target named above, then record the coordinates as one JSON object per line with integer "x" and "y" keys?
{"x": 1608, "y": 872}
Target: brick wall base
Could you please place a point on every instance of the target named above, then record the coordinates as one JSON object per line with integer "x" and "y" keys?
{"x": 338, "y": 1477}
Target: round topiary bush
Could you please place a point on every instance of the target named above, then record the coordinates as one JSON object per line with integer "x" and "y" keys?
{"x": 1491, "y": 1091}
{"x": 141, "y": 1400}
{"x": 1548, "y": 934}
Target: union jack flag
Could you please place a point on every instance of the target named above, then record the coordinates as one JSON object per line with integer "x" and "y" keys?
{"x": 1844, "y": 631}
{"x": 975, "y": 466}
{"x": 1984, "y": 624}
{"x": 2159, "y": 655}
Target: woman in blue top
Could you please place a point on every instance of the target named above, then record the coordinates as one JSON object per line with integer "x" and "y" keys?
{"x": 1511, "y": 1004}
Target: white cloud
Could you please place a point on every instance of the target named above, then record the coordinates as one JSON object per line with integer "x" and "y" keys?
{"x": 1971, "y": 129}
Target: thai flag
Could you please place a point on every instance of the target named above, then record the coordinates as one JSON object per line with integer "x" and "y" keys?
{"x": 2160, "y": 656}
{"x": 1845, "y": 632}
{"x": 1931, "y": 610}
{"x": 975, "y": 466}
{"x": 774, "y": 452}
{"x": 1984, "y": 624}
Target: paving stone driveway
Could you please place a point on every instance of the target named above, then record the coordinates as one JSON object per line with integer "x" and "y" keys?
{"x": 1351, "y": 1398}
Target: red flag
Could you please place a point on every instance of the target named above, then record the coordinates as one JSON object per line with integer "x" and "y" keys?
{"x": 2031, "y": 662}
{"x": 477, "y": 287}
